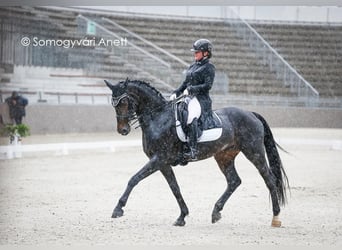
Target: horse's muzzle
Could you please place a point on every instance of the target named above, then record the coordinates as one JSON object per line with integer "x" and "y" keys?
{"x": 124, "y": 130}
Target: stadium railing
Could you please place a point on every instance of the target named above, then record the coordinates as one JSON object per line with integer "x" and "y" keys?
{"x": 284, "y": 71}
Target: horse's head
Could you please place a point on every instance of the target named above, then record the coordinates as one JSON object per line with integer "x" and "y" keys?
{"x": 123, "y": 104}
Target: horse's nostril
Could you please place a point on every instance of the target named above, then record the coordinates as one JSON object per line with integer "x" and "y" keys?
{"x": 124, "y": 131}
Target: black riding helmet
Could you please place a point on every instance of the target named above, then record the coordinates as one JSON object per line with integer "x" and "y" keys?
{"x": 202, "y": 45}
{"x": 15, "y": 94}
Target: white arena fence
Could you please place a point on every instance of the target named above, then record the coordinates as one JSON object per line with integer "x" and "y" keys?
{"x": 18, "y": 151}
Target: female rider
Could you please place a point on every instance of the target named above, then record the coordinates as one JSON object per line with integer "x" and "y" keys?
{"x": 198, "y": 81}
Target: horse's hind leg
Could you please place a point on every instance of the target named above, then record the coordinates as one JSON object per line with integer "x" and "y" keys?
{"x": 256, "y": 154}
{"x": 226, "y": 160}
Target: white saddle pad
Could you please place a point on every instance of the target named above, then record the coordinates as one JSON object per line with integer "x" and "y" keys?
{"x": 207, "y": 135}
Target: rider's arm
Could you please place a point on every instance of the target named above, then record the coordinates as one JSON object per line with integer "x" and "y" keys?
{"x": 181, "y": 88}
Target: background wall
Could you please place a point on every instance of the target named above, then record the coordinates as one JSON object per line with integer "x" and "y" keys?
{"x": 44, "y": 119}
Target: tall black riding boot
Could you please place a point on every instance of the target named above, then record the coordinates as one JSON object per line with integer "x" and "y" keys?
{"x": 192, "y": 134}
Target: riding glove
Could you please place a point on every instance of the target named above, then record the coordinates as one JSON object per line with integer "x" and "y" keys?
{"x": 173, "y": 97}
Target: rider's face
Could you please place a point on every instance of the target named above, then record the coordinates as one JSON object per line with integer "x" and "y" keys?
{"x": 199, "y": 55}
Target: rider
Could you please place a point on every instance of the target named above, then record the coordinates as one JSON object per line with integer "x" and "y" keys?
{"x": 198, "y": 81}
{"x": 17, "y": 104}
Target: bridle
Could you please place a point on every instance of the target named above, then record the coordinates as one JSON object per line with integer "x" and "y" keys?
{"x": 116, "y": 100}
{"x": 131, "y": 115}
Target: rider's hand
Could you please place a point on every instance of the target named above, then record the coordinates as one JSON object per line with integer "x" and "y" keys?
{"x": 186, "y": 92}
{"x": 173, "y": 97}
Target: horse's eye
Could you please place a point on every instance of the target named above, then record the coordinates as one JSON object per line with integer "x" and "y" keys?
{"x": 124, "y": 101}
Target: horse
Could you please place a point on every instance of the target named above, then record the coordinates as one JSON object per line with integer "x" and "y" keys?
{"x": 242, "y": 131}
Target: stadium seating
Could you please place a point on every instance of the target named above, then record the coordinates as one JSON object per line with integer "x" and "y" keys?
{"x": 313, "y": 50}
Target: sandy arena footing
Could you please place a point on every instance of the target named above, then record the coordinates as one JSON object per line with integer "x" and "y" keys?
{"x": 67, "y": 199}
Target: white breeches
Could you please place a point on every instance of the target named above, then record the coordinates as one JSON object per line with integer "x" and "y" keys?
{"x": 194, "y": 109}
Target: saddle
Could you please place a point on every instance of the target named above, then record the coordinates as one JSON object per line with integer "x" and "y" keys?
{"x": 209, "y": 125}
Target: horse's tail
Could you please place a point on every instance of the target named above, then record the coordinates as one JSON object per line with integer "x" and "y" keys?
{"x": 274, "y": 161}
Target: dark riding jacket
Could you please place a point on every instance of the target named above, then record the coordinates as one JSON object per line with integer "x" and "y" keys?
{"x": 17, "y": 106}
{"x": 199, "y": 80}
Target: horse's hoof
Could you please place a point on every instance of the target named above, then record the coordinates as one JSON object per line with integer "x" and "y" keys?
{"x": 276, "y": 222}
{"x": 215, "y": 217}
{"x": 179, "y": 223}
{"x": 118, "y": 212}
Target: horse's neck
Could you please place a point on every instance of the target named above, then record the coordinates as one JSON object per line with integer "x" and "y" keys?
{"x": 150, "y": 105}
{"x": 146, "y": 98}
{"x": 152, "y": 119}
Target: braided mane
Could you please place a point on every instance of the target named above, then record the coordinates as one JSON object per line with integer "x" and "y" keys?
{"x": 147, "y": 85}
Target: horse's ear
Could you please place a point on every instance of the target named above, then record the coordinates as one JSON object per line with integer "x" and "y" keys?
{"x": 108, "y": 84}
{"x": 126, "y": 82}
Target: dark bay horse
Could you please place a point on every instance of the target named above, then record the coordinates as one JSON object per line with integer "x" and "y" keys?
{"x": 243, "y": 131}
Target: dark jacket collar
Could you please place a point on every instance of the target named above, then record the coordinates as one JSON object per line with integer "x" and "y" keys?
{"x": 203, "y": 61}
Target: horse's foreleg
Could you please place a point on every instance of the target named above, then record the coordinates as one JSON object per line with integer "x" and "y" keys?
{"x": 151, "y": 167}
{"x": 171, "y": 180}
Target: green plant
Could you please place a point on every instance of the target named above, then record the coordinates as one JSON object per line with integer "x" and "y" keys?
{"x": 21, "y": 130}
